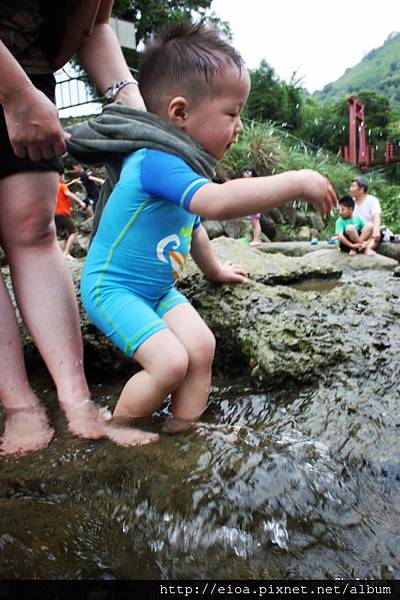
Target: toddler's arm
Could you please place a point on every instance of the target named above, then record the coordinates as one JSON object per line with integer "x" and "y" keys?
{"x": 246, "y": 196}
{"x": 205, "y": 259}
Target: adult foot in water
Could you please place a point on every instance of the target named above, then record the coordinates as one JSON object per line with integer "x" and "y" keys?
{"x": 88, "y": 421}
{"x": 26, "y": 430}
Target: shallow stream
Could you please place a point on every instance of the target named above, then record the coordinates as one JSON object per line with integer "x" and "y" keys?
{"x": 264, "y": 490}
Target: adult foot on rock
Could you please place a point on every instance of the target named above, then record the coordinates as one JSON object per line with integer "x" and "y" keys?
{"x": 25, "y": 431}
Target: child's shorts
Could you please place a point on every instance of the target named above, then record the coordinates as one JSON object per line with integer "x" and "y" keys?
{"x": 64, "y": 225}
{"x": 127, "y": 318}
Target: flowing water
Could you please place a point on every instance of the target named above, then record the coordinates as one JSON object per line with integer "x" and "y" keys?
{"x": 258, "y": 491}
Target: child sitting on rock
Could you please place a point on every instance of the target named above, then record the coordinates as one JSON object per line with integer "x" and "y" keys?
{"x": 354, "y": 234}
{"x": 196, "y": 86}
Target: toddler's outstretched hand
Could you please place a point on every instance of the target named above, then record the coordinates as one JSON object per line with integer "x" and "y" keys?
{"x": 229, "y": 272}
{"x": 318, "y": 190}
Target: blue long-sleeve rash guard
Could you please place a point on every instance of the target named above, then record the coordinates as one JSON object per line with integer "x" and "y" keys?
{"x": 142, "y": 240}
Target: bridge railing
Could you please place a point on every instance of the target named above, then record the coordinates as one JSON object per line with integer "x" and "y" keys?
{"x": 380, "y": 154}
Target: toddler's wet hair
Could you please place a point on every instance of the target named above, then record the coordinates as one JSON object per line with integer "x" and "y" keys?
{"x": 184, "y": 60}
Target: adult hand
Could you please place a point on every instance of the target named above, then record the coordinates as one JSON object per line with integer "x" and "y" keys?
{"x": 318, "y": 190}
{"x": 33, "y": 125}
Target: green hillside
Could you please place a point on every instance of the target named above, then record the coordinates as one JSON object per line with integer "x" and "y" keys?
{"x": 378, "y": 71}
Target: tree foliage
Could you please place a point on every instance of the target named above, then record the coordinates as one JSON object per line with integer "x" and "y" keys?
{"x": 272, "y": 99}
{"x": 326, "y": 124}
{"x": 150, "y": 16}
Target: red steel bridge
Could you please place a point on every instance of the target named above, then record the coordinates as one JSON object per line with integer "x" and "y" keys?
{"x": 358, "y": 152}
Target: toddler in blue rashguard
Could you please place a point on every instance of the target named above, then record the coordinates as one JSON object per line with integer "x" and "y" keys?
{"x": 143, "y": 238}
{"x": 196, "y": 81}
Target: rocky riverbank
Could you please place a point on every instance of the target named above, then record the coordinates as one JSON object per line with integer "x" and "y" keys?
{"x": 294, "y": 473}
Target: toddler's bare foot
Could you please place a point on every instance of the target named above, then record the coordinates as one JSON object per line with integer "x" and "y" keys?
{"x": 176, "y": 425}
{"x": 369, "y": 252}
{"x": 255, "y": 243}
{"x": 25, "y": 431}
{"x": 352, "y": 252}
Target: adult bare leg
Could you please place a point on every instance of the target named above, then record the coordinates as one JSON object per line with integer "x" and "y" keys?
{"x": 26, "y": 426}
{"x": 45, "y": 295}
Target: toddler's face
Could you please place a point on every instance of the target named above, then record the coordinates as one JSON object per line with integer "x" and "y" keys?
{"x": 215, "y": 123}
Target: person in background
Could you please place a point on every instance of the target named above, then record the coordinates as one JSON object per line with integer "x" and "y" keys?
{"x": 91, "y": 183}
{"x": 354, "y": 234}
{"x": 63, "y": 217}
{"x": 255, "y": 219}
{"x": 37, "y": 38}
{"x": 368, "y": 208}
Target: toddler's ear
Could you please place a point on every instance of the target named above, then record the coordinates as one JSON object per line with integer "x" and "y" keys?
{"x": 177, "y": 111}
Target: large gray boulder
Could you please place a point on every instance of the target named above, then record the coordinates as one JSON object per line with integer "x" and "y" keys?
{"x": 247, "y": 304}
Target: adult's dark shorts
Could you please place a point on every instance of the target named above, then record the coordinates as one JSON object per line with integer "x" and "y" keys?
{"x": 64, "y": 225}
{"x": 9, "y": 163}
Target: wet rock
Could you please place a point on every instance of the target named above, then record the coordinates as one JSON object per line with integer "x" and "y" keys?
{"x": 341, "y": 260}
{"x": 304, "y": 233}
{"x": 315, "y": 221}
{"x": 298, "y": 248}
{"x": 274, "y": 332}
{"x": 213, "y": 228}
{"x": 268, "y": 227}
{"x": 81, "y": 245}
{"x": 268, "y": 269}
{"x": 276, "y": 215}
{"x": 300, "y": 219}
{"x": 390, "y": 249}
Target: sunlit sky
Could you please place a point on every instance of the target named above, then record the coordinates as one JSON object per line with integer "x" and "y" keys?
{"x": 319, "y": 39}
